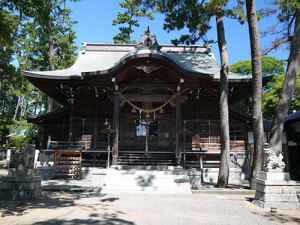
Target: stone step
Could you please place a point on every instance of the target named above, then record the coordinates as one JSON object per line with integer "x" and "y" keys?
{"x": 146, "y": 188}
{"x": 144, "y": 173}
{"x": 140, "y": 159}
{"x": 159, "y": 192}
{"x": 144, "y": 180}
{"x": 131, "y": 179}
{"x": 144, "y": 183}
{"x": 154, "y": 163}
{"x": 147, "y": 167}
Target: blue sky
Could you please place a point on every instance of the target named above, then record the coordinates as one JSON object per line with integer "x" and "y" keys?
{"x": 94, "y": 25}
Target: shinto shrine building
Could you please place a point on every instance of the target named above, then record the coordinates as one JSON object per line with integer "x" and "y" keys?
{"x": 144, "y": 104}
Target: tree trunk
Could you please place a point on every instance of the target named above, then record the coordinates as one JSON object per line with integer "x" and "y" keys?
{"x": 224, "y": 118}
{"x": 17, "y": 110}
{"x": 288, "y": 89}
{"x": 257, "y": 119}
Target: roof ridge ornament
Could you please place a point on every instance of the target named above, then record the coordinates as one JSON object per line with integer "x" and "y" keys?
{"x": 148, "y": 40}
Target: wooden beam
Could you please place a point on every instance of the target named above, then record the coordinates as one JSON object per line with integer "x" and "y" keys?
{"x": 116, "y": 121}
{"x": 178, "y": 127}
{"x": 147, "y": 98}
{"x": 71, "y": 123}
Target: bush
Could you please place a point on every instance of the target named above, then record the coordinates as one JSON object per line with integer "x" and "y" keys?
{"x": 19, "y": 143}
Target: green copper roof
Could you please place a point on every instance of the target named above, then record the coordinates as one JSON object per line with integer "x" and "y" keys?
{"x": 103, "y": 57}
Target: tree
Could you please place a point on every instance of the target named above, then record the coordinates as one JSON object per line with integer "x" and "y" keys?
{"x": 12, "y": 13}
{"x": 224, "y": 114}
{"x": 257, "y": 119}
{"x": 270, "y": 67}
{"x": 23, "y": 36}
{"x": 272, "y": 95}
{"x": 51, "y": 40}
{"x": 288, "y": 14}
{"x": 130, "y": 17}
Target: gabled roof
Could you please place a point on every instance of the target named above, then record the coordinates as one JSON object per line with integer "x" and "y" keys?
{"x": 107, "y": 58}
{"x": 40, "y": 119}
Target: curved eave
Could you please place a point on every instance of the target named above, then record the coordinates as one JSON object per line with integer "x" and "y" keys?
{"x": 153, "y": 55}
{"x": 49, "y": 86}
{"x": 245, "y": 79}
{"x": 40, "y": 119}
{"x": 40, "y": 75}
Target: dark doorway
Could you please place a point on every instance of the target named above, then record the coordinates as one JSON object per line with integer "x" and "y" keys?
{"x": 294, "y": 161}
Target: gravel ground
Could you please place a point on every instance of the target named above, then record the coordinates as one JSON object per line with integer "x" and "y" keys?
{"x": 69, "y": 208}
{"x": 91, "y": 208}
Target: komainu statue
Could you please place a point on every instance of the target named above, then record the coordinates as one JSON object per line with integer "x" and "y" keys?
{"x": 272, "y": 161}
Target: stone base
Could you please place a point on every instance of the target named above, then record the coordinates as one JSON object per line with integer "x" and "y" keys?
{"x": 275, "y": 190}
{"x": 21, "y": 183}
{"x": 236, "y": 175}
{"x": 46, "y": 172}
{"x": 195, "y": 178}
{"x": 98, "y": 177}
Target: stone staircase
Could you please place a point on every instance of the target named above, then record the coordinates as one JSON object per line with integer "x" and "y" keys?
{"x": 151, "y": 179}
{"x": 152, "y": 159}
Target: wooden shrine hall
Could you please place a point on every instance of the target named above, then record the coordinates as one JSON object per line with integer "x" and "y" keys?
{"x": 141, "y": 104}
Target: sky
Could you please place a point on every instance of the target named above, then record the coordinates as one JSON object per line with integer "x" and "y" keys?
{"x": 94, "y": 25}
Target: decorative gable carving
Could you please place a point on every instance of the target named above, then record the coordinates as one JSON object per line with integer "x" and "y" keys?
{"x": 148, "y": 40}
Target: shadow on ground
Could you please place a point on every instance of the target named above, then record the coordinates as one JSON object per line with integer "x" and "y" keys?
{"x": 108, "y": 221}
{"x": 61, "y": 200}
{"x": 280, "y": 215}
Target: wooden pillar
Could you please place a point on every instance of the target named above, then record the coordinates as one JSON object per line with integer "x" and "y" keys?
{"x": 116, "y": 122}
{"x": 63, "y": 129}
{"x": 71, "y": 123}
{"x": 95, "y": 131}
{"x": 178, "y": 128}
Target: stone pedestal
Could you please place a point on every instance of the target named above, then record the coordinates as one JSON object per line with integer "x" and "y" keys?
{"x": 21, "y": 183}
{"x": 195, "y": 178}
{"x": 98, "y": 177}
{"x": 274, "y": 189}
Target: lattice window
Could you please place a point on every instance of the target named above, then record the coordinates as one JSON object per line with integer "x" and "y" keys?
{"x": 237, "y": 133}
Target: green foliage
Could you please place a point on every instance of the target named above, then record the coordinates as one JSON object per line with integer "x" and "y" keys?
{"x": 130, "y": 17}
{"x": 18, "y": 143}
{"x": 271, "y": 97}
{"x": 270, "y": 67}
{"x": 186, "y": 14}
{"x": 52, "y": 25}
{"x": 241, "y": 67}
{"x": 32, "y": 134}
{"x": 27, "y": 29}
{"x": 193, "y": 15}
{"x": 4, "y": 129}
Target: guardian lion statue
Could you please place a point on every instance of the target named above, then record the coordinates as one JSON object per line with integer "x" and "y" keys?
{"x": 272, "y": 161}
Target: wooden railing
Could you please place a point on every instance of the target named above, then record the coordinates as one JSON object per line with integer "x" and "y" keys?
{"x": 206, "y": 153}
{"x": 83, "y": 145}
{"x": 234, "y": 145}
